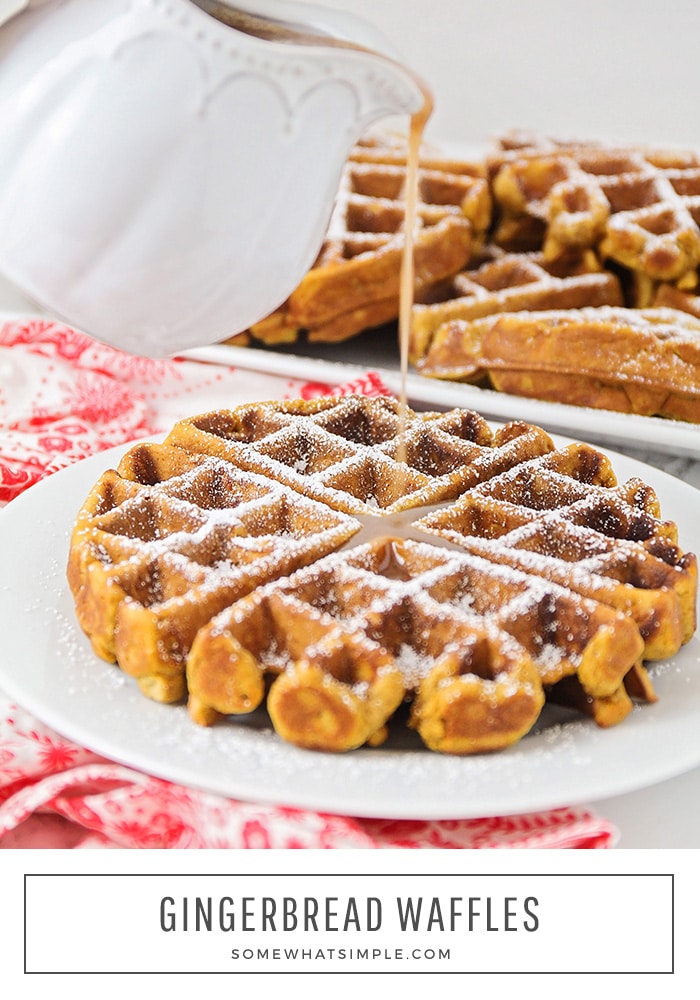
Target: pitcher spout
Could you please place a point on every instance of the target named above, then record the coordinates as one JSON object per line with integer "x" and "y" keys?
{"x": 360, "y": 51}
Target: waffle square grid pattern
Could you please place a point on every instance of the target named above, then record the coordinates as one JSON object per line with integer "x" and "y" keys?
{"x": 353, "y": 567}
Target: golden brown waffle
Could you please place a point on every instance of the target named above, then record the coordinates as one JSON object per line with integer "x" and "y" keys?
{"x": 564, "y": 518}
{"x": 626, "y": 215}
{"x": 377, "y": 635}
{"x": 637, "y": 207}
{"x": 498, "y": 282}
{"x": 631, "y": 361}
{"x": 354, "y": 283}
{"x": 279, "y": 553}
{"x": 355, "y": 456}
{"x": 667, "y": 296}
{"x": 552, "y": 225}
{"x": 459, "y": 636}
{"x": 169, "y": 539}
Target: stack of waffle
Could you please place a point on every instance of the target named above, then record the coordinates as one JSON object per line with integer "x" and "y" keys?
{"x": 354, "y": 283}
{"x": 537, "y": 226}
{"x": 349, "y": 565}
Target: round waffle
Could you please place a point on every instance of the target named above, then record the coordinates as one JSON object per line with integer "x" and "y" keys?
{"x": 282, "y": 553}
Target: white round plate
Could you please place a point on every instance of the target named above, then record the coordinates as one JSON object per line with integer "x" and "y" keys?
{"x": 47, "y": 666}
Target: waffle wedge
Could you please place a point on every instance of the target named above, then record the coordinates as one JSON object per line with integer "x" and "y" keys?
{"x": 627, "y": 360}
{"x": 638, "y": 207}
{"x": 169, "y": 539}
{"x": 376, "y": 637}
{"x": 565, "y": 518}
{"x": 501, "y": 282}
{"x": 357, "y": 455}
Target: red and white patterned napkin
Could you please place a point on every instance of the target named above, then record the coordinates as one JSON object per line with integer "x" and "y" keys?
{"x": 64, "y": 397}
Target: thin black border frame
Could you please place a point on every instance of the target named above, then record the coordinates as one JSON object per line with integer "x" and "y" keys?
{"x": 352, "y": 972}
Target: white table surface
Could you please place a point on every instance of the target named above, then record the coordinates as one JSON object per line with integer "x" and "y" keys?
{"x": 666, "y": 815}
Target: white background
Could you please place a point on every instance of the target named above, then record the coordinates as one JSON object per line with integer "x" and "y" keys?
{"x": 624, "y": 69}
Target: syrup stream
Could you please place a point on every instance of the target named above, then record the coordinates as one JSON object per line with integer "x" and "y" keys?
{"x": 407, "y": 285}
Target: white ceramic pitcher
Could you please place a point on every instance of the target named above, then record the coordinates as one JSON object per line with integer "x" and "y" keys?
{"x": 165, "y": 178}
